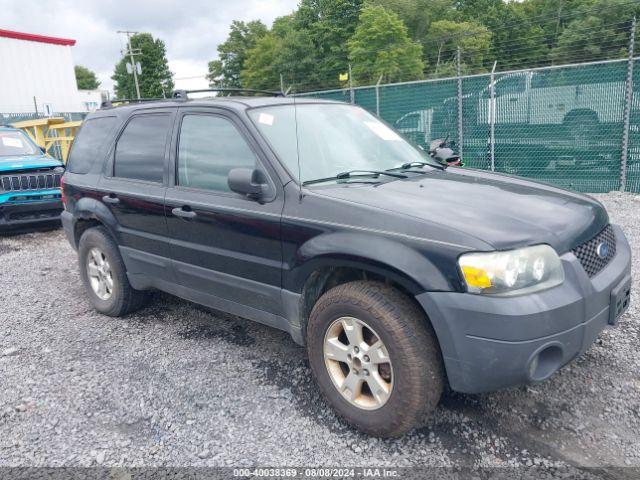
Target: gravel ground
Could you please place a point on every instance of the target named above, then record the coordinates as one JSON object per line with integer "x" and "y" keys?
{"x": 180, "y": 385}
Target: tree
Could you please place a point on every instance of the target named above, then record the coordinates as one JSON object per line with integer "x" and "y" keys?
{"x": 601, "y": 32}
{"x": 156, "y": 80}
{"x": 260, "y": 69}
{"x": 444, "y": 38}
{"x": 283, "y": 51}
{"x": 381, "y": 46}
{"x": 327, "y": 25}
{"x": 85, "y": 78}
{"x": 232, "y": 53}
{"x": 418, "y": 15}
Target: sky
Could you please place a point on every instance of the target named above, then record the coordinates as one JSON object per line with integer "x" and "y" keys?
{"x": 191, "y": 29}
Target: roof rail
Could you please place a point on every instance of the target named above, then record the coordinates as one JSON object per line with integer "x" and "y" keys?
{"x": 184, "y": 94}
{"x": 123, "y": 101}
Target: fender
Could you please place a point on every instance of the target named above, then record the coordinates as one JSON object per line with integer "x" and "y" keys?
{"x": 88, "y": 208}
{"x": 405, "y": 265}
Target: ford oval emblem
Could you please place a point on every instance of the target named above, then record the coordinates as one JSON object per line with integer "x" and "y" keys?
{"x": 602, "y": 250}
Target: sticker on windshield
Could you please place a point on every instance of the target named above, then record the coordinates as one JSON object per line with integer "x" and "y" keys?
{"x": 265, "y": 119}
{"x": 384, "y": 132}
{"x": 12, "y": 142}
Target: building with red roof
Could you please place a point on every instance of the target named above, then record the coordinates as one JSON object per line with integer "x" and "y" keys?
{"x": 36, "y": 75}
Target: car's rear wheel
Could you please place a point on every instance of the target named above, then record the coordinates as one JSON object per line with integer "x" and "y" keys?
{"x": 104, "y": 275}
{"x": 375, "y": 357}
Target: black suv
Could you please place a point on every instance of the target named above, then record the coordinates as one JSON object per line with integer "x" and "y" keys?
{"x": 400, "y": 276}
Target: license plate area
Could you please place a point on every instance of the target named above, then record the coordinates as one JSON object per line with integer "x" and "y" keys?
{"x": 620, "y": 300}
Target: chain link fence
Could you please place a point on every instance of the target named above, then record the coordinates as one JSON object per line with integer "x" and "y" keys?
{"x": 561, "y": 124}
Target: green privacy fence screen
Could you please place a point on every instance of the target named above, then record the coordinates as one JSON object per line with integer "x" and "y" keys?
{"x": 562, "y": 124}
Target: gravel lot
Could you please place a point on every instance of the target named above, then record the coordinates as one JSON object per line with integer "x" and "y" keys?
{"x": 177, "y": 384}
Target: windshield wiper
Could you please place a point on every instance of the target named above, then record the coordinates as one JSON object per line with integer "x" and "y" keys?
{"x": 360, "y": 173}
{"x": 408, "y": 165}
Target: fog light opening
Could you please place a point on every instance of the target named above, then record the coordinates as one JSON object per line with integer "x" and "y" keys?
{"x": 545, "y": 363}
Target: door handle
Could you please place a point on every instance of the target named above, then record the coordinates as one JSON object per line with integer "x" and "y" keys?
{"x": 182, "y": 213}
{"x": 112, "y": 199}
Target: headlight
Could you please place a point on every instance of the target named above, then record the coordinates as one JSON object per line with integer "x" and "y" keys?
{"x": 512, "y": 272}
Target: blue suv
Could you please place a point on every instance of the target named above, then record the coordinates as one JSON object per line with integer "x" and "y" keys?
{"x": 29, "y": 182}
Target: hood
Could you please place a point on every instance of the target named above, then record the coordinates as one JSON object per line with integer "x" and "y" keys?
{"x": 505, "y": 212}
{"x": 9, "y": 164}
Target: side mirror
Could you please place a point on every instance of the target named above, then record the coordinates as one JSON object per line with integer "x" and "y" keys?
{"x": 247, "y": 181}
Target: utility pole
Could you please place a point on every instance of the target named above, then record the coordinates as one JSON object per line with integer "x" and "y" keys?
{"x": 132, "y": 54}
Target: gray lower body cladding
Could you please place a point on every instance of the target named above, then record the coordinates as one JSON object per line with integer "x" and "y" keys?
{"x": 490, "y": 343}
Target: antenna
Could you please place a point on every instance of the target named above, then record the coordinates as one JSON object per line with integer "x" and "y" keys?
{"x": 295, "y": 119}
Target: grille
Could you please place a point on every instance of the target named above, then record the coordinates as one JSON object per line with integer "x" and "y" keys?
{"x": 587, "y": 253}
{"x": 29, "y": 181}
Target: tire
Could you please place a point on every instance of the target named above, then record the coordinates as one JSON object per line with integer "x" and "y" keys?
{"x": 122, "y": 298}
{"x": 416, "y": 369}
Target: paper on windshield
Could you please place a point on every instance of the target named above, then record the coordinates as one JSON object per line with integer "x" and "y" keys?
{"x": 384, "y": 132}
{"x": 12, "y": 142}
{"x": 265, "y": 118}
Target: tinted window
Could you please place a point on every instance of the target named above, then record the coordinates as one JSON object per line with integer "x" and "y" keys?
{"x": 209, "y": 147}
{"x": 141, "y": 148}
{"x": 90, "y": 144}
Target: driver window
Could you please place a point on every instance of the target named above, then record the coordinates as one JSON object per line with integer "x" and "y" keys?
{"x": 209, "y": 147}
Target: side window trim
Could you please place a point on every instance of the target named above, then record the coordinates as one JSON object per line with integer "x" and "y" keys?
{"x": 175, "y": 149}
{"x": 109, "y": 170}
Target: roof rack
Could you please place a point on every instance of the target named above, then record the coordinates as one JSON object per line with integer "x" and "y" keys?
{"x": 123, "y": 101}
{"x": 184, "y": 94}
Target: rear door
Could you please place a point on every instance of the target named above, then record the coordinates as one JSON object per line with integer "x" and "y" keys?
{"x": 133, "y": 187}
{"x": 227, "y": 248}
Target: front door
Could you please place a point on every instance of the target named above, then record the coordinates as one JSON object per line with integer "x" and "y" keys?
{"x": 225, "y": 246}
{"x": 133, "y": 188}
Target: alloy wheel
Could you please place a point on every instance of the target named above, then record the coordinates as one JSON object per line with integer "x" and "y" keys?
{"x": 99, "y": 273}
{"x": 358, "y": 363}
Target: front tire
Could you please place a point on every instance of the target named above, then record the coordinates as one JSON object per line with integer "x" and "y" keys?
{"x": 104, "y": 275}
{"x": 375, "y": 357}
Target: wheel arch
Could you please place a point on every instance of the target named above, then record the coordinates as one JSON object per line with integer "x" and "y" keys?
{"x": 339, "y": 258}
{"x": 88, "y": 213}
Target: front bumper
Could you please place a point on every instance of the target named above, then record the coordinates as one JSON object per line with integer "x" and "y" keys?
{"x": 495, "y": 342}
{"x": 31, "y": 212}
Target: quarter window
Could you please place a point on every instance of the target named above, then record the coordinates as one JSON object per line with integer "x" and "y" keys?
{"x": 210, "y": 146}
{"x": 140, "y": 151}
{"x": 89, "y": 145}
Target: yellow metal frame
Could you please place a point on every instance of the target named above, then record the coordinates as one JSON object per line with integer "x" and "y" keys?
{"x": 51, "y": 133}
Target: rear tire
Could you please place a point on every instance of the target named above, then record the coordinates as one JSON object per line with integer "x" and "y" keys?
{"x": 104, "y": 275}
{"x": 414, "y": 378}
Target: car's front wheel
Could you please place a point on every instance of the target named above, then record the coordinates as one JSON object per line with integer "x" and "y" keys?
{"x": 375, "y": 357}
{"x": 104, "y": 275}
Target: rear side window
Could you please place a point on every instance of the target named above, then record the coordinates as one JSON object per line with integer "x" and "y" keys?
{"x": 210, "y": 146}
{"x": 90, "y": 144}
{"x": 140, "y": 151}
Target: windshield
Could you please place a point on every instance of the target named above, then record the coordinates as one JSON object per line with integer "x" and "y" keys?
{"x": 331, "y": 139}
{"x": 15, "y": 144}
